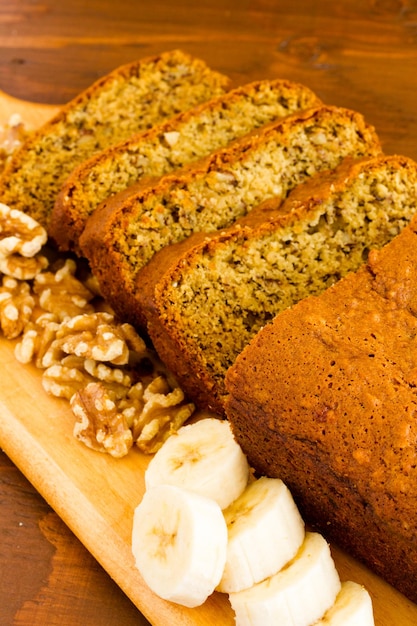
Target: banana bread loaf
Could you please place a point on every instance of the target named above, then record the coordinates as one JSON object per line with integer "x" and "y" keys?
{"x": 325, "y": 398}
{"x": 170, "y": 145}
{"x": 125, "y": 231}
{"x": 204, "y": 299}
{"x": 133, "y": 97}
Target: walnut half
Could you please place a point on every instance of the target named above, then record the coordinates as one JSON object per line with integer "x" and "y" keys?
{"x": 147, "y": 415}
{"x": 16, "y": 306}
{"x": 100, "y": 425}
{"x": 61, "y": 293}
{"x": 164, "y": 411}
{"x": 21, "y": 239}
{"x": 119, "y": 391}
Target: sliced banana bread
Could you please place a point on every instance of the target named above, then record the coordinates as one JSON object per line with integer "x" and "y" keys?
{"x": 325, "y": 398}
{"x": 132, "y": 98}
{"x": 205, "y": 298}
{"x": 125, "y": 231}
{"x": 170, "y": 145}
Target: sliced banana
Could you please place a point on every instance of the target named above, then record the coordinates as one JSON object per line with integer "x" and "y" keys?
{"x": 353, "y": 607}
{"x": 265, "y": 531}
{"x": 202, "y": 457}
{"x": 298, "y": 595}
{"x": 179, "y": 542}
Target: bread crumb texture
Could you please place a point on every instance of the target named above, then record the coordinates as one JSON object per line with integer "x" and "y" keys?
{"x": 324, "y": 397}
{"x": 271, "y": 166}
{"x": 172, "y": 144}
{"x": 132, "y": 98}
{"x": 222, "y": 293}
{"x": 124, "y": 234}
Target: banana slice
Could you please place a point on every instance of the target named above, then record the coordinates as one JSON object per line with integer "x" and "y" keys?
{"x": 202, "y": 457}
{"x": 298, "y": 595}
{"x": 265, "y": 531}
{"x": 353, "y": 607}
{"x": 179, "y": 542}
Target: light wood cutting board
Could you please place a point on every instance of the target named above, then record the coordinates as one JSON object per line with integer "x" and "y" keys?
{"x": 96, "y": 495}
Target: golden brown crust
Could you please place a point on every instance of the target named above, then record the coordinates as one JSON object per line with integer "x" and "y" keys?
{"x": 116, "y": 256}
{"x": 94, "y": 119}
{"x": 164, "y": 323}
{"x": 214, "y": 123}
{"x": 188, "y": 344}
{"x": 324, "y": 397}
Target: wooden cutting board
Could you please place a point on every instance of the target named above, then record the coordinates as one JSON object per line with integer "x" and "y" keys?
{"x": 96, "y": 495}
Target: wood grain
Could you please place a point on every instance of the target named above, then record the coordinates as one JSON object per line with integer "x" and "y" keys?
{"x": 356, "y": 53}
{"x": 359, "y": 54}
{"x": 95, "y": 495}
{"x": 57, "y": 577}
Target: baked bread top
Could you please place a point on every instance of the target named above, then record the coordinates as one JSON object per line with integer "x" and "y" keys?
{"x": 131, "y": 98}
{"x": 170, "y": 145}
{"x": 123, "y": 234}
{"x": 325, "y": 398}
{"x": 204, "y": 299}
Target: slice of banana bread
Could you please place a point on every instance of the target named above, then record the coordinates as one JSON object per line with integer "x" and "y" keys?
{"x": 123, "y": 234}
{"x": 170, "y": 145}
{"x": 205, "y": 298}
{"x": 325, "y": 398}
{"x": 132, "y": 98}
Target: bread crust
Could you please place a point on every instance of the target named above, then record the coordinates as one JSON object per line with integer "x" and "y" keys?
{"x": 110, "y": 110}
{"x": 193, "y": 134}
{"x": 125, "y": 231}
{"x": 324, "y": 397}
{"x": 195, "y": 304}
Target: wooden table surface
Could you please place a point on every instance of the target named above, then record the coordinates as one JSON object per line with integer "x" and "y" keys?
{"x": 360, "y": 54}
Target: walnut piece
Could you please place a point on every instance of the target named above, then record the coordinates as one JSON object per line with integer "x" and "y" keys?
{"x": 73, "y": 372}
{"x": 20, "y": 233}
{"x": 61, "y": 292}
{"x": 149, "y": 413}
{"x": 99, "y": 423}
{"x": 95, "y": 336}
{"x": 164, "y": 411}
{"x": 37, "y": 338}
{"x": 21, "y": 239}
{"x": 65, "y": 378}
{"x": 90, "y": 348}
{"x": 12, "y": 136}
{"x": 16, "y": 306}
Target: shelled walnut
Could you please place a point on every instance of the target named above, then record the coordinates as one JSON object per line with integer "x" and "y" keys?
{"x": 16, "y": 306}
{"x": 62, "y": 293}
{"x": 72, "y": 373}
{"x": 147, "y": 415}
{"x": 100, "y": 425}
{"x": 164, "y": 411}
{"x": 65, "y": 378}
{"x": 21, "y": 239}
{"x": 119, "y": 391}
{"x": 37, "y": 337}
{"x": 95, "y": 336}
